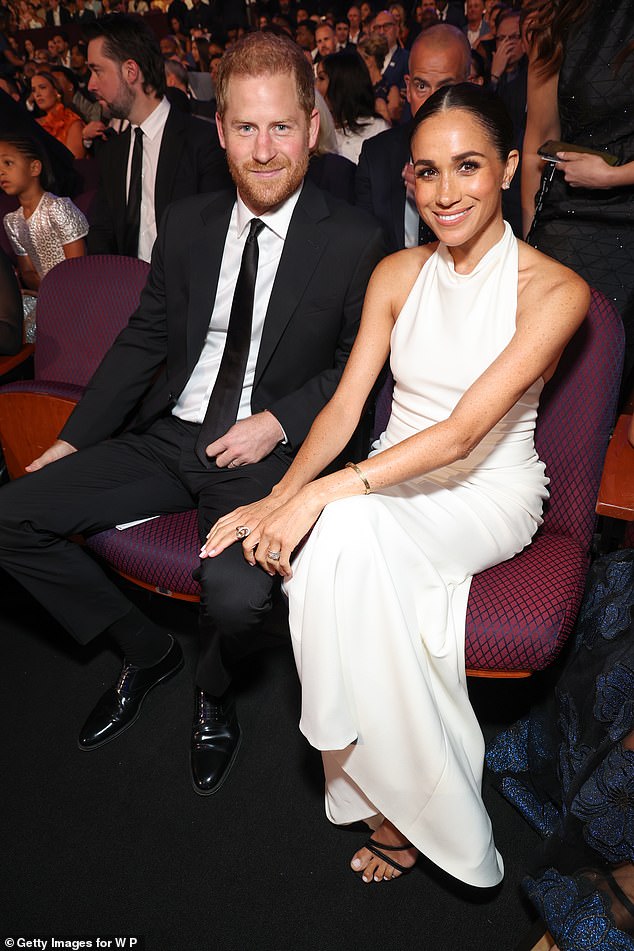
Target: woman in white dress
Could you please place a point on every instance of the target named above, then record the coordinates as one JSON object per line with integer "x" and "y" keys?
{"x": 378, "y": 593}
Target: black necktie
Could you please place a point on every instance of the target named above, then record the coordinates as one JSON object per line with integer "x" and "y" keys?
{"x": 224, "y": 402}
{"x": 133, "y": 206}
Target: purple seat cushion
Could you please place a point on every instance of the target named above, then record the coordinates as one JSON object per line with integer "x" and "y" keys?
{"x": 162, "y": 553}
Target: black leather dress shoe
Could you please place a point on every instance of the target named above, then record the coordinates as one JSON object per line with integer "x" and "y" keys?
{"x": 121, "y": 705}
{"x": 215, "y": 741}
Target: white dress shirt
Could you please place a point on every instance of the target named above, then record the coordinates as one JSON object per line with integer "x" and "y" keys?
{"x": 153, "y": 128}
{"x": 193, "y": 401}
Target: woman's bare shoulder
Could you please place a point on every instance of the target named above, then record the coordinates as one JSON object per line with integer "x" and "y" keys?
{"x": 546, "y": 284}
{"x": 396, "y": 274}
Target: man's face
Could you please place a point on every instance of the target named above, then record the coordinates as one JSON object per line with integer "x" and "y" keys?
{"x": 77, "y": 59}
{"x": 304, "y": 37}
{"x": 326, "y": 40}
{"x": 342, "y": 31}
{"x": 386, "y": 24}
{"x": 107, "y": 81}
{"x": 267, "y": 137}
{"x": 60, "y": 45}
{"x": 475, "y": 10}
{"x": 431, "y": 67}
{"x": 168, "y": 46}
{"x": 354, "y": 18}
{"x": 509, "y": 37}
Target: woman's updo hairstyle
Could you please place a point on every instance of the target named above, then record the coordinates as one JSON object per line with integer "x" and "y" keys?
{"x": 485, "y": 107}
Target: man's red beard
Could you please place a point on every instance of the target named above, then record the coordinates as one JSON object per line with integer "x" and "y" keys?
{"x": 263, "y": 195}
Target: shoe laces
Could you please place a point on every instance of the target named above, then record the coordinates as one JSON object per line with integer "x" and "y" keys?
{"x": 209, "y": 709}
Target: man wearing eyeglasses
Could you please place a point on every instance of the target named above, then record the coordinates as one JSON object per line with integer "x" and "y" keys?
{"x": 395, "y": 65}
{"x": 384, "y": 184}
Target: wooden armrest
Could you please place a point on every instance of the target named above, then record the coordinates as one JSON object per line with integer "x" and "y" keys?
{"x": 9, "y": 363}
{"x": 616, "y": 492}
{"x": 29, "y": 424}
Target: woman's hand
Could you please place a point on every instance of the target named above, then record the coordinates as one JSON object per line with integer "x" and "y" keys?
{"x": 586, "y": 171}
{"x": 275, "y": 529}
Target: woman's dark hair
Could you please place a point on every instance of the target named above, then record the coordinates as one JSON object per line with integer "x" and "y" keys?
{"x": 350, "y": 94}
{"x": 202, "y": 45}
{"x": 485, "y": 107}
{"x": 127, "y": 36}
{"x": 33, "y": 150}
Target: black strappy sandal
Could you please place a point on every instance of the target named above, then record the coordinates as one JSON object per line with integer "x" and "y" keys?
{"x": 375, "y": 848}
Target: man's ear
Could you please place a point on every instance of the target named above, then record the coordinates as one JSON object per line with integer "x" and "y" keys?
{"x": 221, "y": 132}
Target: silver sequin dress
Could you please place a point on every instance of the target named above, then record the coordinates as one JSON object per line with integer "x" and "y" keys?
{"x": 54, "y": 223}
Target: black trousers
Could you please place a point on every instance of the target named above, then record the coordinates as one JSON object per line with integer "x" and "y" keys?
{"x": 119, "y": 480}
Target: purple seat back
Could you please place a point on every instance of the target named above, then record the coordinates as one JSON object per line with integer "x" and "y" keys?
{"x": 576, "y": 414}
{"x": 82, "y": 305}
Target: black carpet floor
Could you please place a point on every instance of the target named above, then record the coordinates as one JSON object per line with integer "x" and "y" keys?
{"x": 115, "y": 841}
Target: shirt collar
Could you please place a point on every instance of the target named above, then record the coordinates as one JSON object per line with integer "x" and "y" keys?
{"x": 277, "y": 220}
{"x": 156, "y": 119}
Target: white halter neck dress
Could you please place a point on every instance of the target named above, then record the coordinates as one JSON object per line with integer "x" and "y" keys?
{"x": 379, "y": 593}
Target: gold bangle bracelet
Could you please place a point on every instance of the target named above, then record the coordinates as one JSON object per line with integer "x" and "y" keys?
{"x": 353, "y": 465}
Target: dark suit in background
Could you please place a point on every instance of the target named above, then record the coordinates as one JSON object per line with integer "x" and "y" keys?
{"x": 379, "y": 186}
{"x": 190, "y": 162}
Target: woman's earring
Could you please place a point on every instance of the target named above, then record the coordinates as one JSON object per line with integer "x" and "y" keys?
{"x": 506, "y": 185}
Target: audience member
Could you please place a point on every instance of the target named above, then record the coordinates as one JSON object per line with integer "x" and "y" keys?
{"x": 326, "y": 41}
{"x": 451, "y": 12}
{"x": 56, "y": 15}
{"x": 83, "y": 14}
{"x": 344, "y": 82}
{"x": 179, "y": 93}
{"x": 580, "y": 91}
{"x": 62, "y": 123}
{"x": 476, "y": 26}
{"x": 387, "y": 100}
{"x": 171, "y": 155}
{"x": 395, "y": 66}
{"x": 342, "y": 34}
{"x": 73, "y": 98}
{"x": 440, "y": 56}
{"x": 211, "y": 428}
{"x": 305, "y": 37}
{"x": 354, "y": 19}
{"x": 378, "y": 592}
{"x": 45, "y": 229}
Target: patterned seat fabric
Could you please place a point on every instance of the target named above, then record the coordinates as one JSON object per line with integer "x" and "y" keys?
{"x": 520, "y": 612}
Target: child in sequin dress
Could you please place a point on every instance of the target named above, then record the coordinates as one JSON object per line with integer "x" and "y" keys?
{"x": 46, "y": 229}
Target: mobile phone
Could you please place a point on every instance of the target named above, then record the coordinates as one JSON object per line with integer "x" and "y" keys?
{"x": 548, "y": 151}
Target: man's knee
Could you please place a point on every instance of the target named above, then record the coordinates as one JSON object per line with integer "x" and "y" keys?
{"x": 233, "y": 598}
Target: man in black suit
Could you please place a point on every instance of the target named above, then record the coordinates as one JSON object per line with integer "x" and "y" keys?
{"x": 191, "y": 407}
{"x": 181, "y": 155}
{"x": 440, "y": 56}
{"x": 57, "y": 15}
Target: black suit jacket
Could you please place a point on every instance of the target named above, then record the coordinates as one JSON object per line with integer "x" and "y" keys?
{"x": 311, "y": 321}
{"x": 191, "y": 162}
{"x": 64, "y": 17}
{"x": 379, "y": 186}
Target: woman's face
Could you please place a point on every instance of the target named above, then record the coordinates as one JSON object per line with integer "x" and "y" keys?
{"x": 459, "y": 177}
{"x": 322, "y": 81}
{"x": 29, "y": 49}
{"x": 44, "y": 95}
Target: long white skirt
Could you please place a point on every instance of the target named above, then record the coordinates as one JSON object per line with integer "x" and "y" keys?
{"x": 377, "y": 614}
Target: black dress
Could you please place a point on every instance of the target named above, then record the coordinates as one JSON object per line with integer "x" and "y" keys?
{"x": 568, "y": 771}
{"x": 592, "y": 230}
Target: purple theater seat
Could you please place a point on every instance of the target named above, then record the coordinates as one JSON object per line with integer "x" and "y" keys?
{"x": 82, "y": 305}
{"x": 520, "y": 612}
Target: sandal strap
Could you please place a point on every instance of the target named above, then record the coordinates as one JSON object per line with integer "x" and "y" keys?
{"x": 370, "y": 845}
{"x": 619, "y": 893}
{"x": 391, "y": 848}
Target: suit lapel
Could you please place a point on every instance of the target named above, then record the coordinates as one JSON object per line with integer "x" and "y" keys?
{"x": 206, "y": 250}
{"x": 169, "y": 156}
{"x": 400, "y": 155}
{"x": 303, "y": 248}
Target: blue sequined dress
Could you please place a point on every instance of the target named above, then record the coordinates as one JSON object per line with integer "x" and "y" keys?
{"x": 568, "y": 769}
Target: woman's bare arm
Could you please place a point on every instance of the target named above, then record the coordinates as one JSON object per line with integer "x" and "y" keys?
{"x": 542, "y": 123}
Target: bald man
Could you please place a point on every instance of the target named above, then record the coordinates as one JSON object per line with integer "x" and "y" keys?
{"x": 440, "y": 56}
